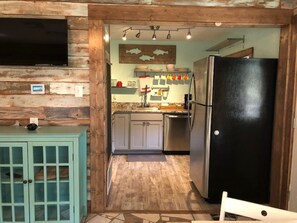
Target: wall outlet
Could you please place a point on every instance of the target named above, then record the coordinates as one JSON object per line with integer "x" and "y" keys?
{"x": 34, "y": 120}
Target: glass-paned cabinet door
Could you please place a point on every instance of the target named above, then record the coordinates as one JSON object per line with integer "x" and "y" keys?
{"x": 52, "y": 171}
{"x": 14, "y": 182}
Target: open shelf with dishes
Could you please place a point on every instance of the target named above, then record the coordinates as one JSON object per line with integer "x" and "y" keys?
{"x": 153, "y": 72}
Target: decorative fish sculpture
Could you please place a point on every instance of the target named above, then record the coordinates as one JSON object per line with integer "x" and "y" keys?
{"x": 160, "y": 52}
{"x": 134, "y": 51}
{"x": 145, "y": 57}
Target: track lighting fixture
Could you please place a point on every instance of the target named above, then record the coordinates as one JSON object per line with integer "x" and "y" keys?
{"x": 124, "y": 36}
{"x": 189, "y": 36}
{"x": 156, "y": 29}
{"x": 138, "y": 34}
{"x": 154, "y": 35}
{"x": 168, "y": 35}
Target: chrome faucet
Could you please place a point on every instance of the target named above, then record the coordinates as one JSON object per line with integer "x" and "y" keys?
{"x": 145, "y": 104}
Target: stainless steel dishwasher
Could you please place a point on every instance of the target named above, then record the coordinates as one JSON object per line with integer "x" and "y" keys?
{"x": 176, "y": 132}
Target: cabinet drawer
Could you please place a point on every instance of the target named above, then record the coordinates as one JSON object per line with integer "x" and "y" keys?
{"x": 146, "y": 116}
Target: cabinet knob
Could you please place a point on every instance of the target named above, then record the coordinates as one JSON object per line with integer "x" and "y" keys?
{"x": 147, "y": 123}
{"x": 29, "y": 181}
{"x": 143, "y": 123}
{"x": 25, "y": 181}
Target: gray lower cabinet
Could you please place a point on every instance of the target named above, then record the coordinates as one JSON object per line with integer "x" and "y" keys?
{"x": 121, "y": 131}
{"x": 138, "y": 131}
{"x": 146, "y": 131}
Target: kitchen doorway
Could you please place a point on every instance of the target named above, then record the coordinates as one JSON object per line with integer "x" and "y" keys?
{"x": 97, "y": 14}
{"x": 131, "y": 190}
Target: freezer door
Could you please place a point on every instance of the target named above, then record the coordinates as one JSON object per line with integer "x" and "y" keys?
{"x": 203, "y": 77}
{"x": 199, "y": 148}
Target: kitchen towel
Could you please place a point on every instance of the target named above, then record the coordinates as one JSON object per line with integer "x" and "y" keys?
{"x": 143, "y": 82}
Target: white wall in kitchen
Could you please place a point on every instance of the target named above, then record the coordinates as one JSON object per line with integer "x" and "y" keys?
{"x": 265, "y": 43}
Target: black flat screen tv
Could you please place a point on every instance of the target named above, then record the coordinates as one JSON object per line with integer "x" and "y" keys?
{"x": 31, "y": 42}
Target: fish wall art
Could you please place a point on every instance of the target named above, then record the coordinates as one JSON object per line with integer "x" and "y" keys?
{"x": 147, "y": 54}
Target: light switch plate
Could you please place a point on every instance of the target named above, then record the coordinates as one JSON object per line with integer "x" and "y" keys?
{"x": 34, "y": 120}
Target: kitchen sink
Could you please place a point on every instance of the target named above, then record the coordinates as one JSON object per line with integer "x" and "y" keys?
{"x": 147, "y": 109}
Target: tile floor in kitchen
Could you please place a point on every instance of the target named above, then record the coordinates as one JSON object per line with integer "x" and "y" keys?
{"x": 145, "y": 218}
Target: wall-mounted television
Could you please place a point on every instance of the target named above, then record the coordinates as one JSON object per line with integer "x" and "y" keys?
{"x": 31, "y": 42}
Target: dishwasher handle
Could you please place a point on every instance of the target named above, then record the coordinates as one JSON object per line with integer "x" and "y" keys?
{"x": 177, "y": 116}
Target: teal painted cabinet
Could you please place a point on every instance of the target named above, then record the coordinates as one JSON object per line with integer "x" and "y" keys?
{"x": 43, "y": 174}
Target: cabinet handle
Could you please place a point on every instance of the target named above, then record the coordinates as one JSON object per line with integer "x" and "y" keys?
{"x": 25, "y": 181}
{"x": 29, "y": 181}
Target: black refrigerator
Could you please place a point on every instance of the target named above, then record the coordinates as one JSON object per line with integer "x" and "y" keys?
{"x": 232, "y": 126}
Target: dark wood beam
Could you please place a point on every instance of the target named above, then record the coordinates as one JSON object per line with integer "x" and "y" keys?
{"x": 98, "y": 112}
{"x": 173, "y": 13}
{"x": 284, "y": 115}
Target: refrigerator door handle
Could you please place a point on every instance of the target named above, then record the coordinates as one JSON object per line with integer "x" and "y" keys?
{"x": 191, "y": 119}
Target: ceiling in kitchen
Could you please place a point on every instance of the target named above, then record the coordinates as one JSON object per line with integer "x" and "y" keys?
{"x": 197, "y": 33}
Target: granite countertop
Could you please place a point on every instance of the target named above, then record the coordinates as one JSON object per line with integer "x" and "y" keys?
{"x": 154, "y": 108}
{"x": 151, "y": 110}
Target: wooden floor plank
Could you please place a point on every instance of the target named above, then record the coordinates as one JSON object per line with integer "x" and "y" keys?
{"x": 155, "y": 186}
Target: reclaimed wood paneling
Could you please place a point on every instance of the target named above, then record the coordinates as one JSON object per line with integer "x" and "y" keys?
{"x": 43, "y": 100}
{"x": 78, "y": 36}
{"x": 190, "y": 14}
{"x": 67, "y": 113}
{"x": 215, "y": 3}
{"x": 82, "y": 62}
{"x": 10, "y": 88}
{"x": 43, "y": 74}
{"x": 42, "y": 8}
{"x": 68, "y": 88}
{"x": 77, "y": 23}
{"x": 78, "y": 50}
{"x": 97, "y": 115}
{"x": 58, "y": 106}
{"x": 226, "y": 3}
{"x": 48, "y": 113}
{"x": 21, "y": 113}
{"x": 65, "y": 122}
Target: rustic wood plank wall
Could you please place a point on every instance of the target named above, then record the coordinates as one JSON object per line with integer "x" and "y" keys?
{"x": 216, "y": 3}
{"x": 58, "y": 106}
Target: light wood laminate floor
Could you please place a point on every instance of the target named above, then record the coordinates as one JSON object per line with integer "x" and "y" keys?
{"x": 155, "y": 186}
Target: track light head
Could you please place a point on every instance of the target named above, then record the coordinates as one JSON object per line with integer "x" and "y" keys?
{"x": 154, "y": 36}
{"x": 124, "y": 36}
{"x": 168, "y": 35}
{"x": 189, "y": 36}
{"x": 138, "y": 34}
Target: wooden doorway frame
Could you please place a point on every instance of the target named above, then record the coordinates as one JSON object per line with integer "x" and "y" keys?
{"x": 200, "y": 16}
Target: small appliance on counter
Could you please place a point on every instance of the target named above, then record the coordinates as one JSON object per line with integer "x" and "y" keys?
{"x": 187, "y": 98}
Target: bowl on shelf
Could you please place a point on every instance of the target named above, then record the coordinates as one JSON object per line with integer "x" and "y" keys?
{"x": 170, "y": 67}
